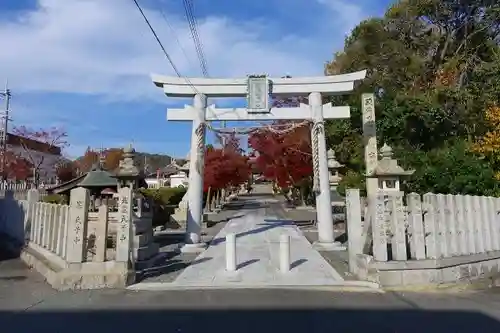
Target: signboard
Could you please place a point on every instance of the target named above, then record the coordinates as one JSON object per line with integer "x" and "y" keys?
{"x": 258, "y": 94}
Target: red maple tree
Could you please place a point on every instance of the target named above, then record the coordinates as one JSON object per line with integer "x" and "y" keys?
{"x": 66, "y": 171}
{"x": 16, "y": 167}
{"x": 226, "y": 166}
{"x": 283, "y": 156}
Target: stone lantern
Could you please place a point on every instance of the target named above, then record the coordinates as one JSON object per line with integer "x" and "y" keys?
{"x": 334, "y": 177}
{"x": 128, "y": 174}
{"x": 388, "y": 172}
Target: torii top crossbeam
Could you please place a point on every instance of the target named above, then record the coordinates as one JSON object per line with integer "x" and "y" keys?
{"x": 301, "y": 86}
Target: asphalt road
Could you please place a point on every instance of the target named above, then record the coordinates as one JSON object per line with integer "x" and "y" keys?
{"x": 249, "y": 311}
{"x": 28, "y": 304}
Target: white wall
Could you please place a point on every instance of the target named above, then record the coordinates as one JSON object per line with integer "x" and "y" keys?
{"x": 47, "y": 169}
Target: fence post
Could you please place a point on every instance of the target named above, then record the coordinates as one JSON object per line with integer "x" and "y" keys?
{"x": 398, "y": 226}
{"x": 493, "y": 224}
{"x": 61, "y": 222}
{"x": 29, "y": 224}
{"x": 470, "y": 230}
{"x": 462, "y": 232}
{"x": 354, "y": 228}
{"x": 101, "y": 234}
{"x": 431, "y": 232}
{"x": 417, "y": 242}
{"x": 485, "y": 224}
{"x": 478, "y": 224}
{"x": 379, "y": 229}
{"x": 442, "y": 229}
{"x": 77, "y": 228}
{"x": 450, "y": 220}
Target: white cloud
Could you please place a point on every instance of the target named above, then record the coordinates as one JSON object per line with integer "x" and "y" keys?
{"x": 105, "y": 48}
{"x": 348, "y": 13}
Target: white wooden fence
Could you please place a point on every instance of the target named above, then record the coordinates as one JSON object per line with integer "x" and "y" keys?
{"x": 433, "y": 226}
{"x": 19, "y": 190}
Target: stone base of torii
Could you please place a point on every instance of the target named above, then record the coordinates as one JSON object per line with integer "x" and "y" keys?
{"x": 257, "y": 90}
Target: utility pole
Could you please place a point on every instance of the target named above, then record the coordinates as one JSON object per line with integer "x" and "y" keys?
{"x": 3, "y": 134}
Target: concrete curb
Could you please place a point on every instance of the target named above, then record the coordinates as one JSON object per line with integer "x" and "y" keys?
{"x": 444, "y": 288}
{"x": 342, "y": 286}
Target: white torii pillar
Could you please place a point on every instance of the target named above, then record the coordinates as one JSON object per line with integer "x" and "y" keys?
{"x": 257, "y": 91}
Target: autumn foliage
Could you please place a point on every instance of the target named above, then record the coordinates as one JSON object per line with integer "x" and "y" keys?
{"x": 489, "y": 145}
{"x": 16, "y": 167}
{"x": 91, "y": 157}
{"x": 226, "y": 166}
{"x": 283, "y": 155}
{"x": 66, "y": 172}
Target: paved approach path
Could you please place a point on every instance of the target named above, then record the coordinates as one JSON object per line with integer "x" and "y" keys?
{"x": 258, "y": 232}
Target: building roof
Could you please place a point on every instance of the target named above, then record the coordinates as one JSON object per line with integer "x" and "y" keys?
{"x": 92, "y": 179}
{"x": 15, "y": 140}
{"x": 98, "y": 178}
{"x": 165, "y": 171}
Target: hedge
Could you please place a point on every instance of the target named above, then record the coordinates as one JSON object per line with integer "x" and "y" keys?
{"x": 55, "y": 199}
{"x": 166, "y": 199}
{"x": 165, "y": 196}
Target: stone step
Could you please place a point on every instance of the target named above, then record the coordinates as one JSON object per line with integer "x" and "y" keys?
{"x": 145, "y": 252}
{"x": 143, "y": 239}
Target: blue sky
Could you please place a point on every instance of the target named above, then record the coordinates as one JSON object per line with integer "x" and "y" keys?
{"x": 84, "y": 65}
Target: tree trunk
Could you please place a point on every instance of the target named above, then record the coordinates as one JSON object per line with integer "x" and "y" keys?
{"x": 207, "y": 204}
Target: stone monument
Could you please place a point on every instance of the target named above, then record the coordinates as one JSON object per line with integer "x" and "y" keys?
{"x": 143, "y": 246}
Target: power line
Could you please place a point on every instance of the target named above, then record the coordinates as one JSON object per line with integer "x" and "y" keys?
{"x": 172, "y": 30}
{"x": 158, "y": 39}
{"x": 193, "y": 27}
{"x": 164, "y": 50}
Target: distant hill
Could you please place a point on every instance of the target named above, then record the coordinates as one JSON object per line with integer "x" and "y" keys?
{"x": 153, "y": 161}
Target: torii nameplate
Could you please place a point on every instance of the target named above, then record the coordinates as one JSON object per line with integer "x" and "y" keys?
{"x": 258, "y": 94}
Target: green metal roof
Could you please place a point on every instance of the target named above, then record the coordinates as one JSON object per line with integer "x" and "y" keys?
{"x": 98, "y": 178}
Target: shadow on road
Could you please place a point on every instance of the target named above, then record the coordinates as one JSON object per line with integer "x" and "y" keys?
{"x": 241, "y": 321}
{"x": 267, "y": 225}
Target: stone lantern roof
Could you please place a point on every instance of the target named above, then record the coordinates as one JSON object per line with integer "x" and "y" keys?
{"x": 127, "y": 167}
{"x": 388, "y": 166}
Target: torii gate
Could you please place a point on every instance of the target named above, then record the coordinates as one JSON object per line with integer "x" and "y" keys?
{"x": 257, "y": 89}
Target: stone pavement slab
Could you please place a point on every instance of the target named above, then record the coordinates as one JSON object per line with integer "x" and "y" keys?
{"x": 257, "y": 245}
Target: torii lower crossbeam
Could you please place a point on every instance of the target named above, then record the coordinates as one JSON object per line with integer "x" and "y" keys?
{"x": 237, "y": 114}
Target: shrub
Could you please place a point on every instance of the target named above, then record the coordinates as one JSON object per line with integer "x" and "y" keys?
{"x": 165, "y": 196}
{"x": 165, "y": 200}
{"x": 55, "y": 199}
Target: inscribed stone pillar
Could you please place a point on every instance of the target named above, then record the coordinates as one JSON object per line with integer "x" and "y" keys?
{"x": 77, "y": 227}
{"x": 370, "y": 142}
{"x": 124, "y": 224}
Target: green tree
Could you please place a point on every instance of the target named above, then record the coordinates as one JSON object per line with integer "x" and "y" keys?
{"x": 433, "y": 66}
